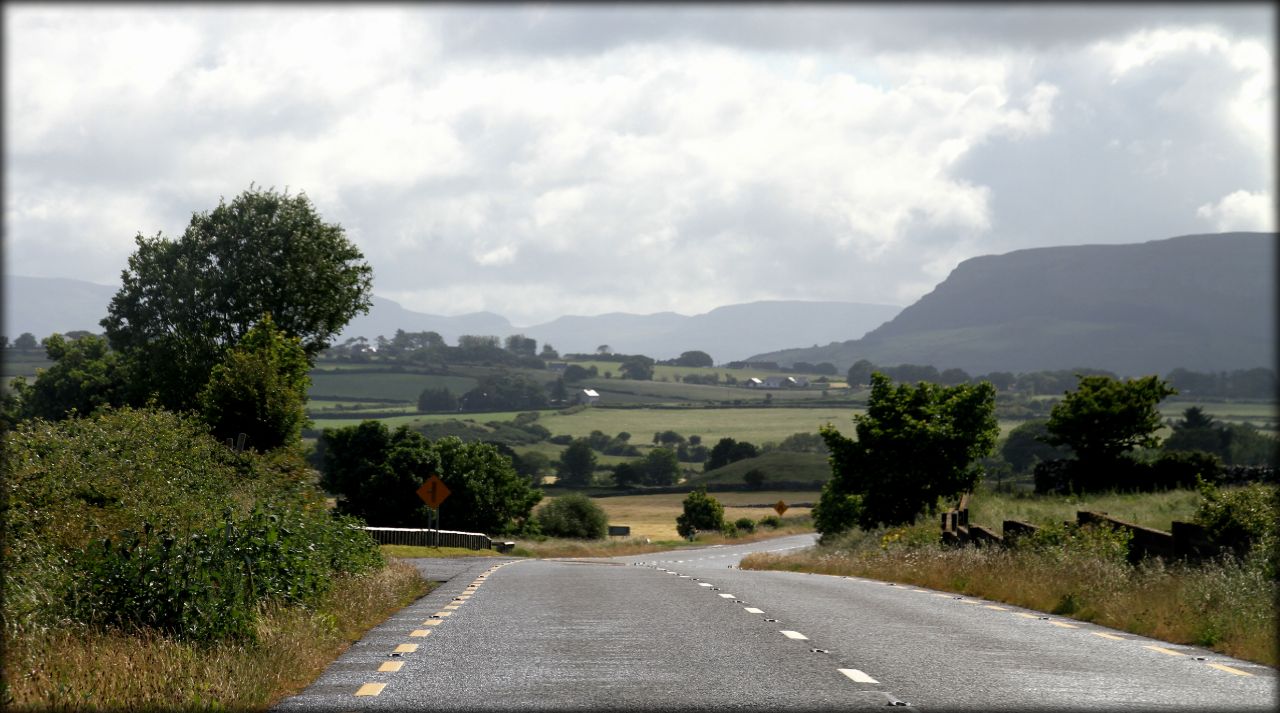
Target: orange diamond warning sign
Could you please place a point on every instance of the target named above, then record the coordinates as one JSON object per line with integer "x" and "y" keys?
{"x": 781, "y": 507}
{"x": 433, "y": 492}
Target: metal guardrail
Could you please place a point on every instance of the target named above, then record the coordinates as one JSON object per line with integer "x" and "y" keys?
{"x": 424, "y": 537}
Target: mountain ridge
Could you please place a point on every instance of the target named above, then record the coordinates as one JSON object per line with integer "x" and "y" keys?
{"x": 1204, "y": 302}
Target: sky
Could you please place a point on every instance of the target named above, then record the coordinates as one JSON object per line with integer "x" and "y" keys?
{"x": 541, "y": 160}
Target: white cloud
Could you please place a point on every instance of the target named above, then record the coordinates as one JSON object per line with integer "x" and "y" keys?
{"x": 1241, "y": 210}
{"x": 582, "y": 161}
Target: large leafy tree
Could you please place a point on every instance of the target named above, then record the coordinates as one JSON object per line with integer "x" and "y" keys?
{"x": 577, "y": 463}
{"x": 84, "y": 377}
{"x": 183, "y": 303}
{"x": 259, "y": 389}
{"x": 915, "y": 444}
{"x": 1105, "y": 418}
{"x": 376, "y": 473}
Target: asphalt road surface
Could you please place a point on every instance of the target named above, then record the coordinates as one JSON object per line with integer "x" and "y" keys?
{"x": 687, "y": 630}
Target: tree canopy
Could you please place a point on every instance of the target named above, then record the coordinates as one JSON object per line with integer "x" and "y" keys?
{"x": 184, "y": 302}
{"x": 1104, "y": 417}
{"x": 259, "y": 389}
{"x": 915, "y": 444}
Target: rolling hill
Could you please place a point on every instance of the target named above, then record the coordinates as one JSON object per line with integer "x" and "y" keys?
{"x": 1201, "y": 302}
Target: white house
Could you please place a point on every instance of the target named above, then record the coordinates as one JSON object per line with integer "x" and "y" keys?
{"x": 588, "y": 396}
{"x": 753, "y": 383}
{"x": 778, "y": 382}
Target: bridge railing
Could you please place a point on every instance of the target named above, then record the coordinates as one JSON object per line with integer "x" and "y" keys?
{"x": 429, "y": 537}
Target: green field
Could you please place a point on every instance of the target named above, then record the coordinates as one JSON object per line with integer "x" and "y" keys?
{"x": 385, "y": 385}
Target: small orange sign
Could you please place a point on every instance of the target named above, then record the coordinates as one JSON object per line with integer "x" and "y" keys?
{"x": 781, "y": 507}
{"x": 433, "y": 492}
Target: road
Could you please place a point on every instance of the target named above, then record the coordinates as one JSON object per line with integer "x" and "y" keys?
{"x": 687, "y": 630}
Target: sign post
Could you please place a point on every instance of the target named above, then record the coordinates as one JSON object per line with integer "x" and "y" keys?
{"x": 433, "y": 492}
{"x": 781, "y": 507}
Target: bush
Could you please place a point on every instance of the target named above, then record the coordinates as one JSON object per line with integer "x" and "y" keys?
{"x": 771, "y": 521}
{"x": 701, "y": 513}
{"x": 574, "y": 515}
{"x": 1240, "y": 518}
{"x": 754, "y": 478}
{"x": 745, "y": 524}
{"x": 1062, "y": 540}
{"x": 1182, "y": 469}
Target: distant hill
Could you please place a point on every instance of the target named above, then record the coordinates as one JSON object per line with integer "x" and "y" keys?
{"x": 386, "y": 316}
{"x": 42, "y": 306}
{"x": 1202, "y": 302}
{"x": 728, "y": 333}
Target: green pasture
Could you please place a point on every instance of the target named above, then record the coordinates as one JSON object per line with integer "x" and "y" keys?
{"x": 675, "y": 373}
{"x": 757, "y": 425}
{"x": 777, "y": 466}
{"x": 385, "y": 385}
{"x": 626, "y": 391}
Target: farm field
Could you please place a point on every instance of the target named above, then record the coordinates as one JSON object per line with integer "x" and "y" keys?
{"x": 628, "y": 391}
{"x": 654, "y": 516}
{"x": 384, "y": 385}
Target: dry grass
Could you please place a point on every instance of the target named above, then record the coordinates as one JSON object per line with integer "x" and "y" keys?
{"x": 77, "y": 670}
{"x": 555, "y": 547}
{"x": 1228, "y": 607}
{"x": 1155, "y": 510}
{"x": 654, "y": 516}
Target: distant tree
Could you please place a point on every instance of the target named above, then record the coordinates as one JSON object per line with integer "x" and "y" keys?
{"x": 577, "y": 464}
{"x": 557, "y": 391}
{"x": 694, "y": 359}
{"x": 522, "y": 345}
{"x": 754, "y": 478}
{"x": 183, "y": 303}
{"x": 1104, "y": 419}
{"x": 603, "y": 349}
{"x": 803, "y": 442}
{"x": 825, "y": 368}
{"x": 952, "y": 377}
{"x": 84, "y": 377}
{"x": 26, "y": 340}
{"x": 437, "y": 398}
{"x": 1025, "y": 446}
{"x": 860, "y": 373}
{"x": 548, "y": 352}
{"x": 1002, "y": 380}
{"x": 505, "y": 392}
{"x": 4, "y": 342}
{"x": 259, "y": 389}
{"x": 727, "y": 451}
{"x": 639, "y": 368}
{"x": 668, "y": 438}
{"x": 628, "y": 473}
{"x": 574, "y": 516}
{"x": 660, "y": 467}
{"x": 533, "y": 465}
{"x": 575, "y": 372}
{"x": 701, "y": 512}
{"x": 915, "y": 444}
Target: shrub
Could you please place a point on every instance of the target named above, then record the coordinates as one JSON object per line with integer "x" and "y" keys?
{"x": 771, "y": 521}
{"x": 1182, "y": 469}
{"x": 1241, "y": 518}
{"x": 701, "y": 513}
{"x": 754, "y": 478}
{"x": 745, "y": 524}
{"x": 1061, "y": 540}
{"x": 574, "y": 515}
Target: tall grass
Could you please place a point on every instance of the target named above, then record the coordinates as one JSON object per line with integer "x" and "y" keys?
{"x": 1226, "y": 605}
{"x": 71, "y": 669}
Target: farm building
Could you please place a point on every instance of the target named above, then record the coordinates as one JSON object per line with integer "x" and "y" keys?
{"x": 587, "y": 396}
{"x": 779, "y": 382}
{"x": 753, "y": 383}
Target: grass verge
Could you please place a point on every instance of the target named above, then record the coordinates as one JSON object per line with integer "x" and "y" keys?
{"x": 1226, "y": 606}
{"x": 111, "y": 670}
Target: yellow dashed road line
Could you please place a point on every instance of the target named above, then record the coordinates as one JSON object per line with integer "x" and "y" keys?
{"x": 1163, "y": 650}
{"x": 1228, "y": 669}
{"x": 391, "y": 666}
{"x": 992, "y": 606}
{"x": 433, "y": 622}
{"x": 371, "y": 689}
{"x": 420, "y": 632}
{"x": 406, "y": 648}
{"x": 1026, "y": 616}
{"x": 1105, "y": 635}
{"x": 1064, "y": 625}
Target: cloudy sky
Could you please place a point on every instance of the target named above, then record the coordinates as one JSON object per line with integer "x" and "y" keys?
{"x": 540, "y": 160}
